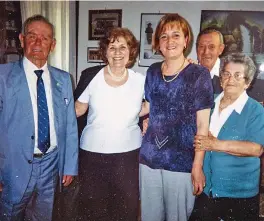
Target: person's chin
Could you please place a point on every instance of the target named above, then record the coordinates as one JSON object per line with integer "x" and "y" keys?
{"x": 206, "y": 63}
{"x": 229, "y": 89}
{"x": 118, "y": 64}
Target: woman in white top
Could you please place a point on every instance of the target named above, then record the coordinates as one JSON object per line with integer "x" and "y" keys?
{"x": 111, "y": 139}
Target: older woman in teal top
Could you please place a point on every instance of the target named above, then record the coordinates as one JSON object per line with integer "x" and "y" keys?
{"x": 233, "y": 148}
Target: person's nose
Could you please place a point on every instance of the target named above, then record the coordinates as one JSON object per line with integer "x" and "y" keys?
{"x": 231, "y": 78}
{"x": 170, "y": 39}
{"x": 38, "y": 40}
{"x": 206, "y": 50}
{"x": 117, "y": 50}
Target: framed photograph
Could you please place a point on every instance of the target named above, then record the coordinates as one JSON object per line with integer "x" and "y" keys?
{"x": 93, "y": 55}
{"x": 148, "y": 25}
{"x": 100, "y": 21}
{"x": 243, "y": 31}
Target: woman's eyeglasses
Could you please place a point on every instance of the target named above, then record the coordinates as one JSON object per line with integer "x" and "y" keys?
{"x": 237, "y": 76}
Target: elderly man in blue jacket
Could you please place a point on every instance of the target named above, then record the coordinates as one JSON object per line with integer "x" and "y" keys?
{"x": 38, "y": 129}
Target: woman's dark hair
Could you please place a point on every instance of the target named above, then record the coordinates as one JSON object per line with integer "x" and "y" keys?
{"x": 112, "y": 36}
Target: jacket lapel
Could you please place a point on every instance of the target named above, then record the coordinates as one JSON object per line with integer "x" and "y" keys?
{"x": 56, "y": 88}
{"x": 20, "y": 91}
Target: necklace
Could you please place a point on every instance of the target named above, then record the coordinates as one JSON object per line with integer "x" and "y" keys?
{"x": 116, "y": 78}
{"x": 224, "y": 103}
{"x": 176, "y": 74}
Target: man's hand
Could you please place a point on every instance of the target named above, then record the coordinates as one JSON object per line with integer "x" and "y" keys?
{"x": 192, "y": 61}
{"x": 198, "y": 179}
{"x": 67, "y": 179}
{"x": 1, "y": 187}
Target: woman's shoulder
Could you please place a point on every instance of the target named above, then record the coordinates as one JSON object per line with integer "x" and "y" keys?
{"x": 196, "y": 68}
{"x": 156, "y": 65}
{"x": 255, "y": 106}
{"x": 96, "y": 78}
{"x": 154, "y": 70}
{"x": 136, "y": 75}
{"x": 253, "y": 109}
{"x": 199, "y": 71}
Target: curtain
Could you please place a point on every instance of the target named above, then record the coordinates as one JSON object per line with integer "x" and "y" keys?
{"x": 58, "y": 14}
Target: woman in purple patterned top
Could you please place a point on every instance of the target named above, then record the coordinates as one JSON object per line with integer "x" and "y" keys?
{"x": 179, "y": 96}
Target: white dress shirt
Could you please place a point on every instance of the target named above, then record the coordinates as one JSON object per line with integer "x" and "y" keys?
{"x": 32, "y": 78}
{"x": 216, "y": 69}
{"x": 112, "y": 121}
{"x": 219, "y": 119}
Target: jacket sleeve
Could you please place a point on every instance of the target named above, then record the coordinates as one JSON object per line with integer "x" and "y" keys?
{"x": 71, "y": 145}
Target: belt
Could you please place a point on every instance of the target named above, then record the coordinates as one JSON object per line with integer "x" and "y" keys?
{"x": 39, "y": 155}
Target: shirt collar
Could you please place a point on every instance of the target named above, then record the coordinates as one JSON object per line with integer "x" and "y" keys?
{"x": 239, "y": 103}
{"x": 29, "y": 66}
{"x": 215, "y": 69}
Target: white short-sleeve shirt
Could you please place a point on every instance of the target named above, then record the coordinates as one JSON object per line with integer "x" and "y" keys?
{"x": 112, "y": 121}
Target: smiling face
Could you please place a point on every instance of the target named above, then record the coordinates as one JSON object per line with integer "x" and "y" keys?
{"x": 172, "y": 42}
{"x": 233, "y": 79}
{"x": 209, "y": 48}
{"x": 37, "y": 42}
{"x": 117, "y": 53}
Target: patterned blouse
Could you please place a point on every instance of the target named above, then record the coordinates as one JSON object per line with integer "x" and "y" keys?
{"x": 168, "y": 142}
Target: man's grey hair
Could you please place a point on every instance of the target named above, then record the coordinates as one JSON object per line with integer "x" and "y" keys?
{"x": 209, "y": 31}
{"x": 35, "y": 18}
{"x": 240, "y": 58}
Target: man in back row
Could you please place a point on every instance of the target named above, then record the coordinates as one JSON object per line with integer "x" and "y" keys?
{"x": 38, "y": 129}
{"x": 209, "y": 46}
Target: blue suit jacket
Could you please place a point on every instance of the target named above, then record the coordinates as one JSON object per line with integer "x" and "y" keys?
{"x": 17, "y": 128}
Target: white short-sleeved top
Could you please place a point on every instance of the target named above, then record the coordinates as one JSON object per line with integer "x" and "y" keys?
{"x": 112, "y": 121}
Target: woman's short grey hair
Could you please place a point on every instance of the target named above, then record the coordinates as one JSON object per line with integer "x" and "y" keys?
{"x": 240, "y": 58}
{"x": 35, "y": 18}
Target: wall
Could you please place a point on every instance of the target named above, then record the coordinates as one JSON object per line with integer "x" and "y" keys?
{"x": 131, "y": 14}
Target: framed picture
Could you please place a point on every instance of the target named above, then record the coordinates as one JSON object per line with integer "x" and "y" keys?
{"x": 148, "y": 25}
{"x": 100, "y": 21}
{"x": 243, "y": 31}
{"x": 93, "y": 55}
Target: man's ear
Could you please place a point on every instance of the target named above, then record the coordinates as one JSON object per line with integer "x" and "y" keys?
{"x": 21, "y": 39}
{"x": 221, "y": 49}
{"x": 53, "y": 44}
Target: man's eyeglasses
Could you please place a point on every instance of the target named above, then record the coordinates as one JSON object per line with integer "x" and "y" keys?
{"x": 226, "y": 75}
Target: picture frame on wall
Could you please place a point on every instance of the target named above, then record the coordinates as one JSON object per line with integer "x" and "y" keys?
{"x": 100, "y": 21}
{"x": 148, "y": 24}
{"x": 93, "y": 55}
{"x": 243, "y": 31}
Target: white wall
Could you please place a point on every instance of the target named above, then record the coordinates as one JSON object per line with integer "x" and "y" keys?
{"x": 131, "y": 14}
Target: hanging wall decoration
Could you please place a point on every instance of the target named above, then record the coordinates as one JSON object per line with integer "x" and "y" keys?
{"x": 100, "y": 21}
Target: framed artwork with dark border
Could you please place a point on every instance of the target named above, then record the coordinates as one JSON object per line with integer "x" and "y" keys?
{"x": 100, "y": 21}
{"x": 243, "y": 31}
{"x": 93, "y": 55}
{"x": 148, "y": 25}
